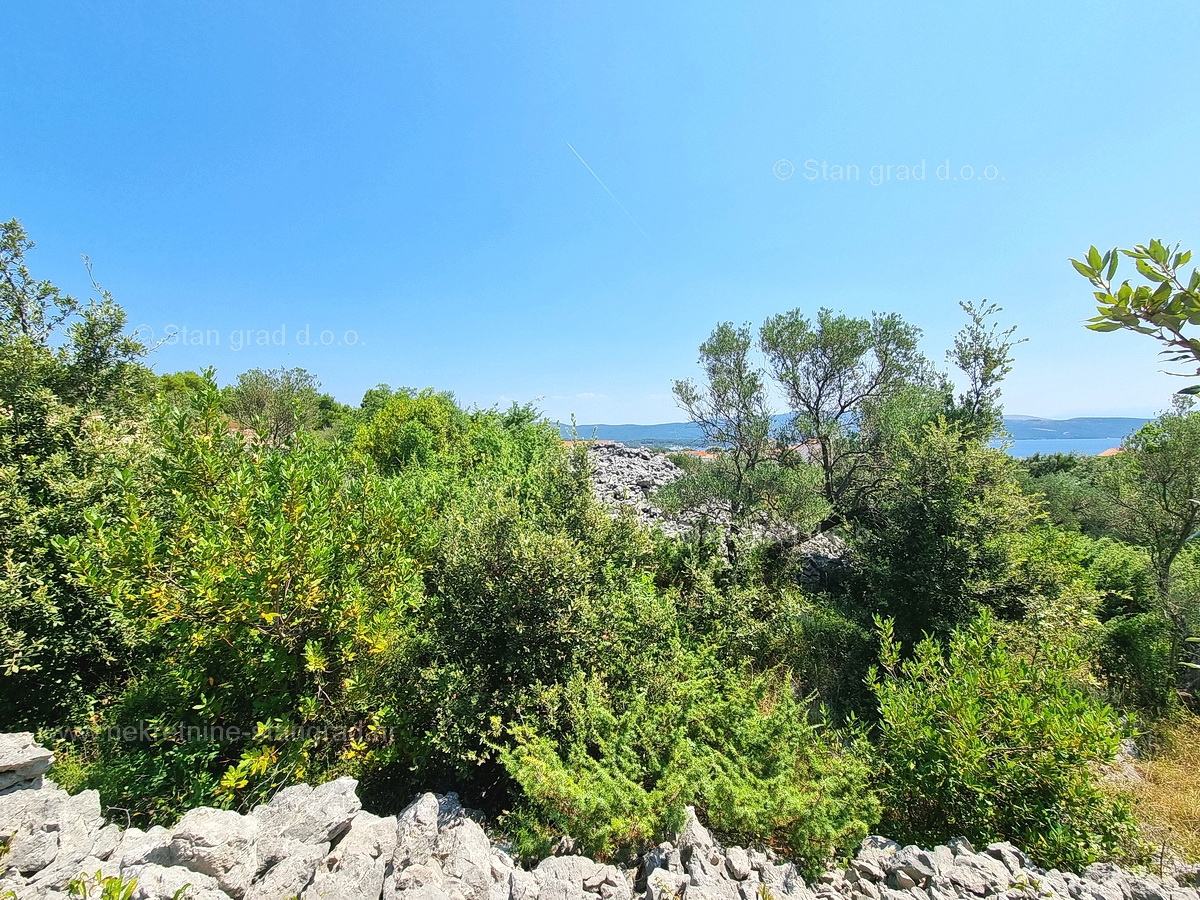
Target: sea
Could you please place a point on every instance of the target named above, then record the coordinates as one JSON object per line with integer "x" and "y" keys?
{"x": 1082, "y": 446}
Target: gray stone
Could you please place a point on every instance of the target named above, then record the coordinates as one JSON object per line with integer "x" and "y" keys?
{"x": 312, "y": 816}
{"x": 562, "y": 877}
{"x": 43, "y": 824}
{"x": 288, "y": 874}
{"x": 943, "y": 858}
{"x": 155, "y": 882}
{"x": 138, "y": 848}
{"x": 22, "y": 760}
{"x": 416, "y": 832}
{"x": 62, "y": 872}
{"x": 960, "y": 846}
{"x": 916, "y": 864}
{"x": 901, "y": 880}
{"x": 107, "y": 840}
{"x": 867, "y": 868}
{"x": 1141, "y": 888}
{"x": 607, "y": 881}
{"x": 877, "y": 847}
{"x": 694, "y": 835}
{"x": 997, "y": 874}
{"x": 664, "y": 856}
{"x": 1013, "y": 859}
{"x": 465, "y": 855}
{"x": 220, "y": 843}
{"x": 662, "y": 884}
{"x": 356, "y": 867}
{"x": 30, "y": 852}
{"x": 522, "y": 885}
{"x": 721, "y": 890}
{"x": 737, "y": 861}
{"x": 420, "y": 875}
{"x": 784, "y": 879}
{"x": 706, "y": 866}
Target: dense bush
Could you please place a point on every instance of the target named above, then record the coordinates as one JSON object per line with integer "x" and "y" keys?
{"x": 1137, "y": 659}
{"x": 735, "y": 746}
{"x": 938, "y": 546}
{"x": 69, "y": 385}
{"x": 977, "y": 738}
{"x": 411, "y": 428}
{"x": 265, "y": 589}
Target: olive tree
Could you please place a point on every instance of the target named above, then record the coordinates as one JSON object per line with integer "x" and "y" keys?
{"x": 840, "y": 374}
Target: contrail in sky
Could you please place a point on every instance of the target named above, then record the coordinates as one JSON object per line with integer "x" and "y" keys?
{"x": 610, "y": 193}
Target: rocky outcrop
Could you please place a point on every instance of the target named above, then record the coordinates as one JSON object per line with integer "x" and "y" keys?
{"x": 318, "y": 844}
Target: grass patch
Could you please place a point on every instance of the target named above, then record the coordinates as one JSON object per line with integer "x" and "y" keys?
{"x": 1167, "y": 801}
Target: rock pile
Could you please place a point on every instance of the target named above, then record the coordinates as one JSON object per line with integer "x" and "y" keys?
{"x": 318, "y": 844}
{"x": 629, "y": 477}
{"x": 821, "y": 561}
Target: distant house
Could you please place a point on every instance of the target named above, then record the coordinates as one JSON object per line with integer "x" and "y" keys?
{"x": 1111, "y": 451}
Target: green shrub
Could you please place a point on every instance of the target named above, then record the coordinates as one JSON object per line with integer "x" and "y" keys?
{"x": 735, "y": 746}
{"x": 1124, "y": 578}
{"x": 266, "y": 591}
{"x": 979, "y": 740}
{"x": 1136, "y": 656}
{"x": 70, "y": 384}
{"x": 827, "y": 652}
{"x": 939, "y": 544}
{"x": 411, "y": 428}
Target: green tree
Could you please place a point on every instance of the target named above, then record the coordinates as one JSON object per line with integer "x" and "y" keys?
{"x": 1150, "y": 488}
{"x": 1149, "y": 494}
{"x": 839, "y": 374}
{"x": 983, "y": 353}
{"x": 276, "y": 403}
{"x": 176, "y": 387}
{"x": 938, "y": 542}
{"x": 1162, "y": 309}
{"x": 731, "y": 410}
{"x": 70, "y": 381}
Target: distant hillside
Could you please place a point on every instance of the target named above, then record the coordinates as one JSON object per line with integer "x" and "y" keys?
{"x": 1022, "y": 428}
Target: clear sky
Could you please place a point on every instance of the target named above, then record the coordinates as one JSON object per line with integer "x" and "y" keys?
{"x": 558, "y": 201}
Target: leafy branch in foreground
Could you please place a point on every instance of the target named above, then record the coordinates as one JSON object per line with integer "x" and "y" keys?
{"x": 1161, "y": 309}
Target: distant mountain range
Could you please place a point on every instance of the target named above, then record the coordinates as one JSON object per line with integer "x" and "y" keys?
{"x": 1022, "y": 428}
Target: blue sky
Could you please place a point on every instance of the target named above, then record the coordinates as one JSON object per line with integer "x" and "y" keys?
{"x": 398, "y": 179}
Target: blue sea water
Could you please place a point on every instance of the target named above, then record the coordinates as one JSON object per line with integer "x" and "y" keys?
{"x": 1082, "y": 446}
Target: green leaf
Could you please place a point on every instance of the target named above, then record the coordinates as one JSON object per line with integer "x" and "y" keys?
{"x": 1083, "y": 269}
{"x": 1149, "y": 271}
